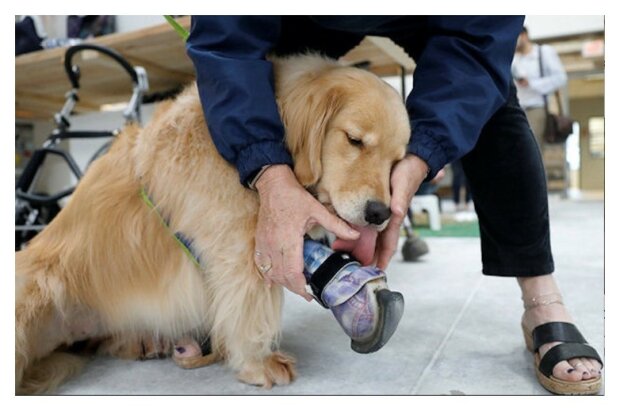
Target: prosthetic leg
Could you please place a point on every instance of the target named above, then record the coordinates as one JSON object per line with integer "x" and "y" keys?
{"x": 414, "y": 246}
{"x": 357, "y": 295}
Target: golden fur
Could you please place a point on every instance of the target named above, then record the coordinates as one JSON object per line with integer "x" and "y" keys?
{"x": 106, "y": 268}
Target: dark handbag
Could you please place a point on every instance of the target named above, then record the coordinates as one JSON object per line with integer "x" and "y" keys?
{"x": 557, "y": 126}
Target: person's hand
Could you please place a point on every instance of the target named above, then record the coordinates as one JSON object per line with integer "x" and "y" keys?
{"x": 405, "y": 180}
{"x": 287, "y": 211}
{"x": 523, "y": 82}
{"x": 438, "y": 177}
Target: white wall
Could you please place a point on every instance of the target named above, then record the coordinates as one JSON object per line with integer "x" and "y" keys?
{"x": 555, "y": 26}
{"x": 395, "y": 82}
{"x": 129, "y": 23}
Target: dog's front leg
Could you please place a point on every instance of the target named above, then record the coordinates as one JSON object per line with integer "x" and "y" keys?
{"x": 246, "y": 325}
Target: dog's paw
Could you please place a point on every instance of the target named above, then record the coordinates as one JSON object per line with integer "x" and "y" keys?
{"x": 136, "y": 348}
{"x": 278, "y": 368}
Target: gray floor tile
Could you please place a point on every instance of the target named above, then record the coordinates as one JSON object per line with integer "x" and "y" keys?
{"x": 487, "y": 345}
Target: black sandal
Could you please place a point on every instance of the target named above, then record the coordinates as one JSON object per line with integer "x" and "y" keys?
{"x": 573, "y": 345}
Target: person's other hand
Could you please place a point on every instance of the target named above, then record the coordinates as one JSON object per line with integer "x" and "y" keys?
{"x": 405, "y": 180}
{"x": 287, "y": 211}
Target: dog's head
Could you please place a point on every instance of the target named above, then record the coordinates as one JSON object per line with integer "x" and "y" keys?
{"x": 346, "y": 128}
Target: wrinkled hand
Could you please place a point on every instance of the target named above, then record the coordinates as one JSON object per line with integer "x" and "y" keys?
{"x": 405, "y": 180}
{"x": 287, "y": 211}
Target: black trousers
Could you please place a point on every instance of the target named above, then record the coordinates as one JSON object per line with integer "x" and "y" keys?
{"x": 505, "y": 169}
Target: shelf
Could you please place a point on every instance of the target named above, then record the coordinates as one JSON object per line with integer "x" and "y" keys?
{"x": 41, "y": 82}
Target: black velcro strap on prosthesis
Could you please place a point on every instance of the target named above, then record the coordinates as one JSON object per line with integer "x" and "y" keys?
{"x": 328, "y": 269}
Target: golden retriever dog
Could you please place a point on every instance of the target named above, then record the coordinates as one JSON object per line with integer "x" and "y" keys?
{"x": 108, "y": 269}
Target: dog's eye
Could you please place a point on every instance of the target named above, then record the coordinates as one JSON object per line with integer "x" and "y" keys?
{"x": 354, "y": 141}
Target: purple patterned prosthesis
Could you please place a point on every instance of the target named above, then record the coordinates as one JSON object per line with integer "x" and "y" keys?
{"x": 350, "y": 294}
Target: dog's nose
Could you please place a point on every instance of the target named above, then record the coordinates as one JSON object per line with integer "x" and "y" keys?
{"x": 376, "y": 212}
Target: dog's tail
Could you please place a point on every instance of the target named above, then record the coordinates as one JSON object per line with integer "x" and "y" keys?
{"x": 45, "y": 375}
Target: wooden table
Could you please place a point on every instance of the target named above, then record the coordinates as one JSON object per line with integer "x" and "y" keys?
{"x": 41, "y": 82}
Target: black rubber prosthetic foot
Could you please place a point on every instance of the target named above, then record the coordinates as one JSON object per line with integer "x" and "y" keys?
{"x": 391, "y": 306}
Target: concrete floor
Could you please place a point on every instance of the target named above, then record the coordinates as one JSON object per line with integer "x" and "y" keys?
{"x": 460, "y": 333}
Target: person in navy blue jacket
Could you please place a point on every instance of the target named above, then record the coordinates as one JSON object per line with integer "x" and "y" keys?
{"x": 463, "y": 105}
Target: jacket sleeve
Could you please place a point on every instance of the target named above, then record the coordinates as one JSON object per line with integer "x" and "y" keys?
{"x": 236, "y": 88}
{"x": 461, "y": 79}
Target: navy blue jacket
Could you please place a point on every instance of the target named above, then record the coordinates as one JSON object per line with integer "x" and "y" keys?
{"x": 462, "y": 77}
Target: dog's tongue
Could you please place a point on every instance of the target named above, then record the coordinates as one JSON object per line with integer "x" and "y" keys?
{"x": 362, "y": 249}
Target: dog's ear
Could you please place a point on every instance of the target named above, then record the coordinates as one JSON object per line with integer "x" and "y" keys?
{"x": 306, "y": 112}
